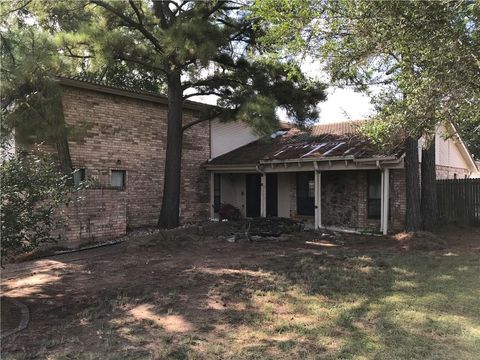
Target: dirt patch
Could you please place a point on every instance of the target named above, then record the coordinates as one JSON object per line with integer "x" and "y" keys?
{"x": 162, "y": 294}
{"x": 420, "y": 240}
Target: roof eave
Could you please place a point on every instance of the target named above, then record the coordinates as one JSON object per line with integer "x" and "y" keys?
{"x": 141, "y": 95}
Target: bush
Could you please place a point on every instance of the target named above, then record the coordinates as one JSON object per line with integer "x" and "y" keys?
{"x": 32, "y": 189}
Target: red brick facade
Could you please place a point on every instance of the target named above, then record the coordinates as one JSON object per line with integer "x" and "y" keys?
{"x": 344, "y": 200}
{"x": 114, "y": 132}
{"x": 95, "y": 214}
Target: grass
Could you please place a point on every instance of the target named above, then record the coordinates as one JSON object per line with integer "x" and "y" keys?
{"x": 319, "y": 305}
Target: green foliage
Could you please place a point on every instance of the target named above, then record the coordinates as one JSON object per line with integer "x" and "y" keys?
{"x": 32, "y": 190}
{"x": 213, "y": 45}
{"x": 384, "y": 134}
{"x": 419, "y": 60}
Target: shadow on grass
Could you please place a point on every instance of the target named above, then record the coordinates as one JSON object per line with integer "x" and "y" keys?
{"x": 333, "y": 304}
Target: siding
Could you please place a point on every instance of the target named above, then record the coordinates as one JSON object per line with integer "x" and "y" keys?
{"x": 226, "y": 136}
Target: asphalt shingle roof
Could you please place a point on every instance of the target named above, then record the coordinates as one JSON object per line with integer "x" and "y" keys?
{"x": 325, "y": 141}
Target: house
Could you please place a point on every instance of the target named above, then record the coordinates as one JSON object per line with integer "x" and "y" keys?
{"x": 118, "y": 140}
{"x": 330, "y": 178}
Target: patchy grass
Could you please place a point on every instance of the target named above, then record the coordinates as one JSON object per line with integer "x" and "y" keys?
{"x": 251, "y": 301}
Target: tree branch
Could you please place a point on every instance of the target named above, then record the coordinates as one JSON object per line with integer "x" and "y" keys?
{"x": 140, "y": 62}
{"x": 137, "y": 12}
{"x": 212, "y": 92}
{"x": 210, "y": 116}
{"x": 131, "y": 23}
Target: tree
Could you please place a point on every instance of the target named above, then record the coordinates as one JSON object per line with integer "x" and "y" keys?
{"x": 31, "y": 100}
{"x": 32, "y": 190}
{"x": 192, "y": 49}
{"x": 420, "y": 58}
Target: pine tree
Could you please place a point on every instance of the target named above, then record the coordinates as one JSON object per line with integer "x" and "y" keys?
{"x": 189, "y": 49}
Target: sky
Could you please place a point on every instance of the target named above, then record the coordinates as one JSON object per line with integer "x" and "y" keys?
{"x": 344, "y": 105}
{"x": 341, "y": 104}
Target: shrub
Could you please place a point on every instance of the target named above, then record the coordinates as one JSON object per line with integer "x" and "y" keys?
{"x": 32, "y": 189}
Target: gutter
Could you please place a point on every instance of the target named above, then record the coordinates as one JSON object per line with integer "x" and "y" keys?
{"x": 377, "y": 160}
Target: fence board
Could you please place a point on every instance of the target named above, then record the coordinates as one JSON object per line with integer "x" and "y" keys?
{"x": 459, "y": 201}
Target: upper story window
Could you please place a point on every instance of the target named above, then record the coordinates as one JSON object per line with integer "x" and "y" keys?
{"x": 118, "y": 178}
{"x": 78, "y": 176}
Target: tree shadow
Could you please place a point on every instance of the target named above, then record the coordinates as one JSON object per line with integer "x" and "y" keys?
{"x": 248, "y": 301}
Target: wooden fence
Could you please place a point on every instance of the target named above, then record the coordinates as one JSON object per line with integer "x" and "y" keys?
{"x": 459, "y": 201}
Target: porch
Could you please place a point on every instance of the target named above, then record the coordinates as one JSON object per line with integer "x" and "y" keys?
{"x": 334, "y": 194}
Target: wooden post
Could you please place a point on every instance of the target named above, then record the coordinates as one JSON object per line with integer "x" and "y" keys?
{"x": 212, "y": 195}
{"x": 263, "y": 195}
{"x": 385, "y": 200}
{"x": 382, "y": 191}
{"x": 318, "y": 199}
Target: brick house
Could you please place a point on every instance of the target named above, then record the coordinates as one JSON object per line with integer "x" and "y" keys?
{"x": 119, "y": 140}
{"x": 329, "y": 178}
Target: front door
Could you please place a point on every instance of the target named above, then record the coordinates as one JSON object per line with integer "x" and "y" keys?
{"x": 272, "y": 195}
{"x": 305, "y": 193}
{"x": 253, "y": 183}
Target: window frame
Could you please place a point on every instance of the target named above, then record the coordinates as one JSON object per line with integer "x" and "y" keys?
{"x": 124, "y": 178}
{"x": 83, "y": 176}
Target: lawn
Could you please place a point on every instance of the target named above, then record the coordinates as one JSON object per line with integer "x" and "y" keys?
{"x": 204, "y": 298}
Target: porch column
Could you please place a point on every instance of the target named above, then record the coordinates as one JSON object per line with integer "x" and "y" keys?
{"x": 385, "y": 201}
{"x": 212, "y": 195}
{"x": 263, "y": 195}
{"x": 318, "y": 199}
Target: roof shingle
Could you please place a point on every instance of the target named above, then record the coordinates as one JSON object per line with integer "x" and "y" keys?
{"x": 325, "y": 141}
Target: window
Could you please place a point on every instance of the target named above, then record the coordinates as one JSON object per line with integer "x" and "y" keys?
{"x": 216, "y": 192}
{"x": 374, "y": 183}
{"x": 78, "y": 176}
{"x": 305, "y": 193}
{"x": 118, "y": 178}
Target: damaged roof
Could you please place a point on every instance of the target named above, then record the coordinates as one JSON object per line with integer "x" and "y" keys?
{"x": 323, "y": 142}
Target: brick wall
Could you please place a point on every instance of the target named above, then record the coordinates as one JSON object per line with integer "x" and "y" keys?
{"x": 448, "y": 172}
{"x": 344, "y": 200}
{"x": 340, "y": 198}
{"x": 113, "y": 132}
{"x": 94, "y": 214}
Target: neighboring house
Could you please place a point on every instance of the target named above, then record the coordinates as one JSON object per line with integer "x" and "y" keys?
{"x": 331, "y": 177}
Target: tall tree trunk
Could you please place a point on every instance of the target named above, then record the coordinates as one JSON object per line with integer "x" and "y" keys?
{"x": 429, "y": 188}
{"x": 63, "y": 153}
{"x": 413, "y": 221}
{"x": 169, "y": 214}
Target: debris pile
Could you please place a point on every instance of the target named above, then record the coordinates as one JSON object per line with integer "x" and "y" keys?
{"x": 266, "y": 229}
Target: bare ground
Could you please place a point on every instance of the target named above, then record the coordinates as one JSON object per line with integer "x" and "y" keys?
{"x": 201, "y": 297}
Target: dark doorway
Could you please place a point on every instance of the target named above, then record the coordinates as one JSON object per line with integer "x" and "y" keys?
{"x": 305, "y": 193}
{"x": 272, "y": 195}
{"x": 253, "y": 183}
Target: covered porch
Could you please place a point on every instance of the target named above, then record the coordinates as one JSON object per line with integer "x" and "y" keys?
{"x": 341, "y": 193}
